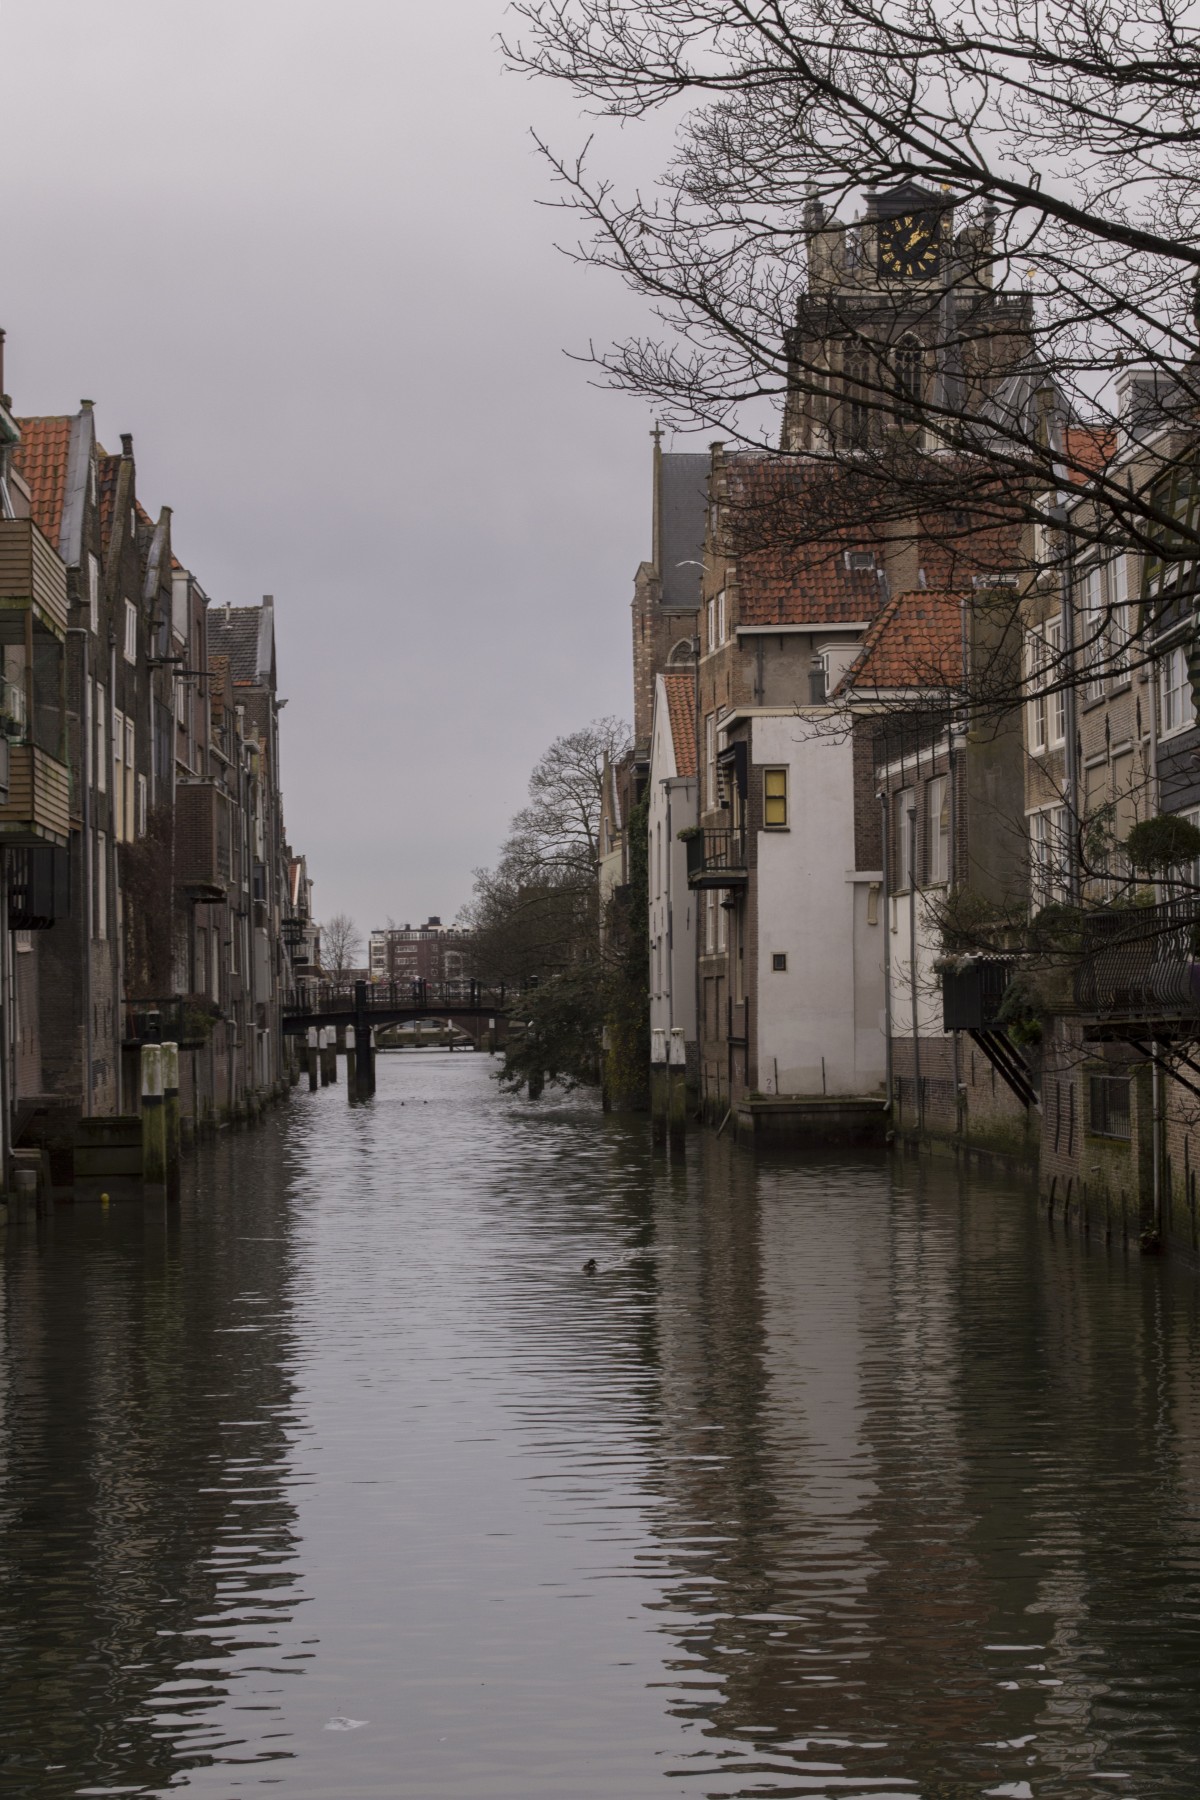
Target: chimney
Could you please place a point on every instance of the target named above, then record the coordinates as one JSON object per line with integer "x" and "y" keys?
{"x": 4, "y": 399}
{"x": 127, "y": 445}
{"x": 269, "y": 602}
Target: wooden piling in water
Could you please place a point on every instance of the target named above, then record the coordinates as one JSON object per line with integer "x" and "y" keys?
{"x": 154, "y": 1146}
{"x": 172, "y": 1132}
{"x": 676, "y": 1089}
{"x": 659, "y": 1089}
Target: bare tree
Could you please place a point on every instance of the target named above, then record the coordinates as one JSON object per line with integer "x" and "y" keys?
{"x": 534, "y": 914}
{"x": 977, "y": 356}
{"x": 342, "y": 943}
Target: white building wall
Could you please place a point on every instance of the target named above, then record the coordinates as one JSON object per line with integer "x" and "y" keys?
{"x": 820, "y": 1022}
{"x": 928, "y": 983}
{"x": 673, "y": 906}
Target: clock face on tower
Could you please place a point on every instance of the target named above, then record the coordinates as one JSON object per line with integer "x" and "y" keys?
{"x": 910, "y": 245}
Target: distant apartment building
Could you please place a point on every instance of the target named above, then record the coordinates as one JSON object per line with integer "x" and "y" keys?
{"x": 428, "y": 952}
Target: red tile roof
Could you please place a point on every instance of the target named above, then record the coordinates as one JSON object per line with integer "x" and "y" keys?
{"x": 1089, "y": 447}
{"x": 109, "y": 469}
{"x": 789, "y": 571}
{"x": 681, "y": 714}
{"x": 41, "y": 459}
{"x": 916, "y": 642}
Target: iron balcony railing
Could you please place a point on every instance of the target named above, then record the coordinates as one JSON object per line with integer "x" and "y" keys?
{"x": 716, "y": 859}
{"x": 1141, "y": 963}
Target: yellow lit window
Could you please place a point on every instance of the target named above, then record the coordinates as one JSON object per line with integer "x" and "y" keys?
{"x": 775, "y": 805}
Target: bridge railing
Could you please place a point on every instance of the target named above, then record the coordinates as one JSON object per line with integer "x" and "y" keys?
{"x": 320, "y": 997}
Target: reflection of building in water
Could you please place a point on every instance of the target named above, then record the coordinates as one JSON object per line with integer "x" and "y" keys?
{"x": 142, "y": 1454}
{"x": 889, "y": 1496}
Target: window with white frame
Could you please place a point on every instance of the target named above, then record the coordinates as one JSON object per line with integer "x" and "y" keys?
{"x": 141, "y": 806}
{"x": 1035, "y": 662}
{"x": 101, "y": 884}
{"x": 721, "y": 617}
{"x": 1056, "y": 716}
{"x": 1094, "y": 645}
{"x": 130, "y": 788}
{"x": 1175, "y": 708}
{"x": 101, "y": 739}
{"x": 1116, "y": 577}
{"x": 710, "y": 921}
{"x": 722, "y": 921}
{"x": 712, "y": 621}
{"x": 905, "y": 802}
{"x": 118, "y": 739}
{"x": 1048, "y": 855}
{"x": 937, "y": 794}
{"x": 710, "y": 758}
{"x": 130, "y": 632}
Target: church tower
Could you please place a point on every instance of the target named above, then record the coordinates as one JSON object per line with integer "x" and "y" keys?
{"x": 900, "y": 323}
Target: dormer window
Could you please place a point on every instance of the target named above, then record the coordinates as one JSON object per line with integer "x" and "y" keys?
{"x": 860, "y": 559}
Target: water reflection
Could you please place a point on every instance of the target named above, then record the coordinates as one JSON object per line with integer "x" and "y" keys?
{"x": 147, "y": 1542}
{"x": 848, "y": 1479}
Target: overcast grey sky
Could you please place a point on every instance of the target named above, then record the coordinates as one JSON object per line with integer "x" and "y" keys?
{"x": 295, "y": 249}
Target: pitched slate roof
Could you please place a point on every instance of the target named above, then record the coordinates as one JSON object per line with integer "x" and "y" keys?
{"x": 683, "y": 512}
{"x": 41, "y": 460}
{"x": 916, "y": 642}
{"x": 233, "y": 634}
{"x": 681, "y": 716}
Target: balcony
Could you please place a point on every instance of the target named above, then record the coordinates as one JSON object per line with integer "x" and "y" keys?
{"x": 717, "y": 859}
{"x": 31, "y": 575}
{"x": 38, "y": 807}
{"x": 1140, "y": 966}
{"x": 202, "y": 865}
{"x": 36, "y": 799}
{"x": 972, "y": 995}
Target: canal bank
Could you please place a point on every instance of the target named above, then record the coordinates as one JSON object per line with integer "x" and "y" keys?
{"x": 342, "y": 1478}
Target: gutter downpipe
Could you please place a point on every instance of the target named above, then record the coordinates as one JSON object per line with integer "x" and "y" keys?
{"x": 87, "y": 752}
{"x": 887, "y": 949}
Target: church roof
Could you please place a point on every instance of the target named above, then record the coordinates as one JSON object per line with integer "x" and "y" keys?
{"x": 682, "y": 514}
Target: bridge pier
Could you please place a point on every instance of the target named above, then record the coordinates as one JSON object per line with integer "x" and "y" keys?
{"x": 364, "y": 1049}
{"x": 329, "y": 1072}
{"x": 313, "y": 1052}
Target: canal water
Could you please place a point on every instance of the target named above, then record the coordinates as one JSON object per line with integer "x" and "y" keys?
{"x": 343, "y": 1479}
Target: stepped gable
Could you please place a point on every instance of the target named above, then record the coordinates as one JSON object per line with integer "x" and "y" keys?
{"x": 789, "y": 570}
{"x": 681, "y": 714}
{"x": 916, "y": 642}
{"x": 41, "y": 461}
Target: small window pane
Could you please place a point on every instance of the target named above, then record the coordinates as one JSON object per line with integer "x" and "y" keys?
{"x": 775, "y": 797}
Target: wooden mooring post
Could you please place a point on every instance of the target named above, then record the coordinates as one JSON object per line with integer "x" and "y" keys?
{"x": 314, "y": 1052}
{"x": 329, "y": 1072}
{"x": 172, "y": 1131}
{"x": 676, "y": 1089}
{"x": 154, "y": 1141}
{"x": 659, "y": 1090}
